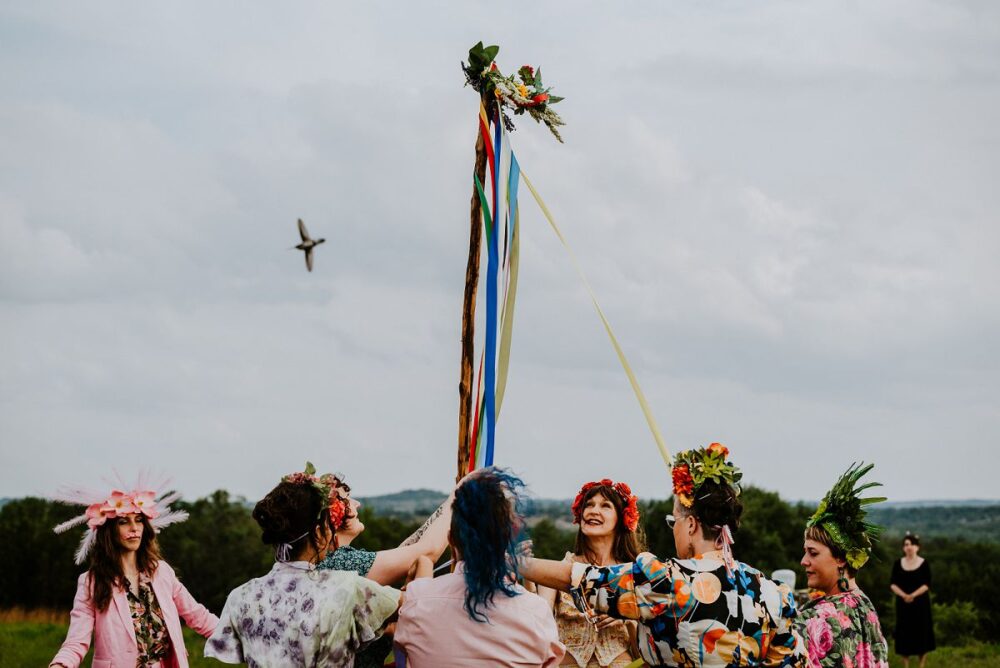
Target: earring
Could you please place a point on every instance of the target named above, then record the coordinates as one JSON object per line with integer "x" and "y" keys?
{"x": 842, "y": 582}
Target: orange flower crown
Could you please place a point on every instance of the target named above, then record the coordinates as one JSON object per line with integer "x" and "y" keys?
{"x": 693, "y": 467}
{"x": 630, "y": 515}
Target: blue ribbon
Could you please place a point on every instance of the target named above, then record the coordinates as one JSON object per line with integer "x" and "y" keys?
{"x": 492, "y": 262}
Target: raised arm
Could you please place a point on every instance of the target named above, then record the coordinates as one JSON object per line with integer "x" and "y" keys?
{"x": 430, "y": 541}
{"x": 547, "y": 572}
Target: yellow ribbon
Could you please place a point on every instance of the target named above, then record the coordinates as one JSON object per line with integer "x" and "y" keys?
{"x": 646, "y": 411}
{"x": 507, "y": 317}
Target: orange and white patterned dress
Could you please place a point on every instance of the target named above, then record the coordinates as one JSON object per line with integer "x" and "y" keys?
{"x": 587, "y": 647}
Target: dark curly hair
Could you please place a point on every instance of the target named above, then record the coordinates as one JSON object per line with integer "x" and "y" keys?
{"x": 715, "y": 505}
{"x": 105, "y": 560}
{"x": 486, "y": 522}
{"x": 289, "y": 511}
{"x": 627, "y": 544}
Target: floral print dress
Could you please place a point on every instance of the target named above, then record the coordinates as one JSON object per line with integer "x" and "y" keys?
{"x": 693, "y": 613}
{"x": 302, "y": 617}
{"x": 151, "y": 636}
{"x": 843, "y": 630}
{"x": 347, "y": 558}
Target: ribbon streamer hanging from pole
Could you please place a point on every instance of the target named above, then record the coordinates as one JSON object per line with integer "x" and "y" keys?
{"x": 501, "y": 223}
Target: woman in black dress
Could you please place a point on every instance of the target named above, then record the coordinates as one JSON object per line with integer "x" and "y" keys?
{"x": 911, "y": 582}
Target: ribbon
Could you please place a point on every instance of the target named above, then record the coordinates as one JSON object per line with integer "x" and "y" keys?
{"x": 643, "y": 404}
{"x": 284, "y": 550}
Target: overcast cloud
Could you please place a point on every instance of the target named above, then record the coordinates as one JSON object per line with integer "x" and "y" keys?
{"x": 789, "y": 212}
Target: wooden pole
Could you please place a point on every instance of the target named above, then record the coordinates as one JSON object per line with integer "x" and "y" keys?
{"x": 469, "y": 314}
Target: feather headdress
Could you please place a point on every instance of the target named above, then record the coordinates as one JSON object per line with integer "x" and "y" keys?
{"x": 147, "y": 497}
{"x": 842, "y": 514}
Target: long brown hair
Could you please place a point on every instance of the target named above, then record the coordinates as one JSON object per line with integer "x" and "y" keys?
{"x": 106, "y": 560}
{"x": 627, "y": 544}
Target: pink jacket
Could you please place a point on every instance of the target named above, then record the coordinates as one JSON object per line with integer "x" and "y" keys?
{"x": 114, "y": 633}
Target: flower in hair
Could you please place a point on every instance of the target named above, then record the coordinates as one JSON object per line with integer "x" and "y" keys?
{"x": 683, "y": 484}
{"x": 100, "y": 507}
{"x": 328, "y": 485}
{"x": 692, "y": 468}
{"x": 630, "y": 514}
{"x": 121, "y": 503}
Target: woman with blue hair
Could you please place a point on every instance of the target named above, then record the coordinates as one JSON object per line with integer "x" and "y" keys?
{"x": 479, "y": 615}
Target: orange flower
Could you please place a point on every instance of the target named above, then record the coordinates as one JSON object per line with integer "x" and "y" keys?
{"x": 720, "y": 448}
{"x": 683, "y": 483}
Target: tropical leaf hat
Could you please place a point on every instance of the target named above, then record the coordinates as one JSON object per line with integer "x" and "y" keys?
{"x": 842, "y": 514}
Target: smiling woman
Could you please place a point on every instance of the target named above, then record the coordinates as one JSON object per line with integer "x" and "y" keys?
{"x": 840, "y": 624}
{"x": 609, "y": 533}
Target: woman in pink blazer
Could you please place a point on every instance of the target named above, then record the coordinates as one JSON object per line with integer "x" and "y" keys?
{"x": 129, "y": 600}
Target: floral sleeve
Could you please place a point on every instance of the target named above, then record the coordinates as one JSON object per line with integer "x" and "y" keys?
{"x": 371, "y": 605}
{"x": 643, "y": 589}
{"x": 785, "y": 647}
{"x": 224, "y": 643}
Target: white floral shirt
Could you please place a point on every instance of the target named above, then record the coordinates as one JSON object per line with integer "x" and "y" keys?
{"x": 299, "y": 616}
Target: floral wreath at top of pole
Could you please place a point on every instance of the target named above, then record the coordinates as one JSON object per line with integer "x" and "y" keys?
{"x": 527, "y": 95}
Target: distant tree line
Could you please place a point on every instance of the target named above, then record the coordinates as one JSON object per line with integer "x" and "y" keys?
{"x": 219, "y": 548}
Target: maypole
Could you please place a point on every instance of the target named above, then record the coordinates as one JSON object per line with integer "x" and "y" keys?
{"x": 495, "y": 93}
{"x": 469, "y": 314}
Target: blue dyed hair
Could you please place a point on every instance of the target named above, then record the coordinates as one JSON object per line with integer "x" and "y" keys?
{"x": 486, "y": 522}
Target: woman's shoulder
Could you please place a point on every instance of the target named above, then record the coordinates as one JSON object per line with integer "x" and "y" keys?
{"x": 163, "y": 569}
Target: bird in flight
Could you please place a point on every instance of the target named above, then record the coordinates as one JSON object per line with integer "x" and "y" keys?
{"x": 307, "y": 244}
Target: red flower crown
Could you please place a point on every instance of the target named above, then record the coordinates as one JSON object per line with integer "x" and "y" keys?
{"x": 630, "y": 515}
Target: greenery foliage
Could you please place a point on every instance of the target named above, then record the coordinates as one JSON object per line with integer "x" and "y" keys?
{"x": 219, "y": 548}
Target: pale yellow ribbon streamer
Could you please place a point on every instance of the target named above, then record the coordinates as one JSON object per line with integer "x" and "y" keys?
{"x": 646, "y": 411}
{"x": 503, "y": 361}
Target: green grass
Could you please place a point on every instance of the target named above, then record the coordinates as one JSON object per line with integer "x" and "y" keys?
{"x": 973, "y": 656}
{"x": 24, "y": 644}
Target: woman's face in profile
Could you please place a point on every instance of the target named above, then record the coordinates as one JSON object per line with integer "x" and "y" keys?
{"x": 353, "y": 526}
{"x": 822, "y": 568}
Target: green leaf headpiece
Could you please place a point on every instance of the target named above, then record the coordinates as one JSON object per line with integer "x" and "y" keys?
{"x": 842, "y": 513}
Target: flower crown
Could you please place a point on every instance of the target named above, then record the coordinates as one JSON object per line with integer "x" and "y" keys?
{"x": 693, "y": 467}
{"x": 842, "y": 513}
{"x": 102, "y": 506}
{"x": 329, "y": 486}
{"x": 630, "y": 515}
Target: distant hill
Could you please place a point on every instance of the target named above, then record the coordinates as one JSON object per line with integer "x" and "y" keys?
{"x": 406, "y": 504}
{"x": 974, "y": 520}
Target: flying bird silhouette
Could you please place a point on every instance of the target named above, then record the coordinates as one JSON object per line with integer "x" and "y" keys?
{"x": 307, "y": 244}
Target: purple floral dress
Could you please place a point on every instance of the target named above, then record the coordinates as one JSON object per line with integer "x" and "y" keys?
{"x": 843, "y": 631}
{"x": 297, "y": 616}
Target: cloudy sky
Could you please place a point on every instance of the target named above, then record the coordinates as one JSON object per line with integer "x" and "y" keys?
{"x": 788, "y": 210}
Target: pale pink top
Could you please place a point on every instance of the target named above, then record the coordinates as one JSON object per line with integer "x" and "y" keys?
{"x": 435, "y": 631}
{"x": 114, "y": 632}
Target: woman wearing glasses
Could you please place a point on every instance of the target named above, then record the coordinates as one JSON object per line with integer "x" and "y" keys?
{"x": 702, "y": 608}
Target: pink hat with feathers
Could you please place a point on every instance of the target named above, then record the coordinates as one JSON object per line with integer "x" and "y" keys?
{"x": 144, "y": 498}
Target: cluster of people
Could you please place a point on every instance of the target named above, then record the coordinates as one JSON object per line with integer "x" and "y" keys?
{"x": 606, "y": 603}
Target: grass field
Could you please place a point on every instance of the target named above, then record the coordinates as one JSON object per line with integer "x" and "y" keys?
{"x": 24, "y": 644}
{"x": 33, "y": 644}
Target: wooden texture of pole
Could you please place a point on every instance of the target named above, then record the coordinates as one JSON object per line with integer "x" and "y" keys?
{"x": 469, "y": 314}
